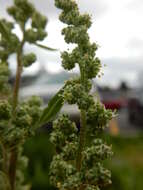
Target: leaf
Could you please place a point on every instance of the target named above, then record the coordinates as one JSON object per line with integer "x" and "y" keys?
{"x": 3, "y": 30}
{"x": 45, "y": 47}
{"x": 54, "y": 106}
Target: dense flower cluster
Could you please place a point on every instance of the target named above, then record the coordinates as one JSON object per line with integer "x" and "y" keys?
{"x": 22, "y": 125}
{"x": 77, "y": 165}
{"x": 18, "y": 120}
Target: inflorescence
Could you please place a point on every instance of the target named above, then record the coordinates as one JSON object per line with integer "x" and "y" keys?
{"x": 77, "y": 165}
{"x": 18, "y": 120}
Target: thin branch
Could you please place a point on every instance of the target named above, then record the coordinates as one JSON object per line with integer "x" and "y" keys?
{"x": 45, "y": 47}
{"x": 14, "y": 153}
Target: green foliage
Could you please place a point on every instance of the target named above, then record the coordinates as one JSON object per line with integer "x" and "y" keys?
{"x": 32, "y": 36}
{"x": 18, "y": 120}
{"x": 52, "y": 109}
{"x": 22, "y": 125}
{"x": 3, "y": 30}
{"x": 126, "y": 164}
{"x": 5, "y": 110}
{"x": 28, "y": 59}
{"x": 4, "y": 75}
{"x": 38, "y": 20}
{"x": 21, "y": 11}
{"x": 76, "y": 165}
{"x": 98, "y": 117}
{"x": 64, "y": 131}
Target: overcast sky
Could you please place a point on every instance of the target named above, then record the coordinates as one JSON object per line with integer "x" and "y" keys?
{"x": 117, "y": 28}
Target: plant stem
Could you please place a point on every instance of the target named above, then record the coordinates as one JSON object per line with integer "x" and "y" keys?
{"x": 14, "y": 152}
{"x": 17, "y": 79}
{"x": 82, "y": 139}
{"x": 82, "y": 125}
{"x": 12, "y": 168}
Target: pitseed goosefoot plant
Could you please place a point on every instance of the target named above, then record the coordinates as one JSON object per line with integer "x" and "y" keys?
{"x": 78, "y": 164}
{"x": 18, "y": 120}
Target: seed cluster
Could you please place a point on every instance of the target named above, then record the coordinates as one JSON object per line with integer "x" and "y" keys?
{"x": 67, "y": 140}
{"x": 19, "y": 124}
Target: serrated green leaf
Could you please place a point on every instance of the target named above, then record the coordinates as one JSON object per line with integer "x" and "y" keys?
{"x": 54, "y": 106}
{"x": 45, "y": 47}
{"x": 3, "y": 30}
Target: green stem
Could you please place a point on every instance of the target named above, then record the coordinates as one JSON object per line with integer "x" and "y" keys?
{"x": 82, "y": 139}
{"x": 82, "y": 126}
{"x": 12, "y": 168}
{"x": 17, "y": 79}
{"x": 14, "y": 152}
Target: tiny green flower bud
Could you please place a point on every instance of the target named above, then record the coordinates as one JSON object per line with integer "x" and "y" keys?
{"x": 28, "y": 59}
{"x": 38, "y": 20}
{"x": 77, "y": 165}
{"x": 5, "y": 110}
